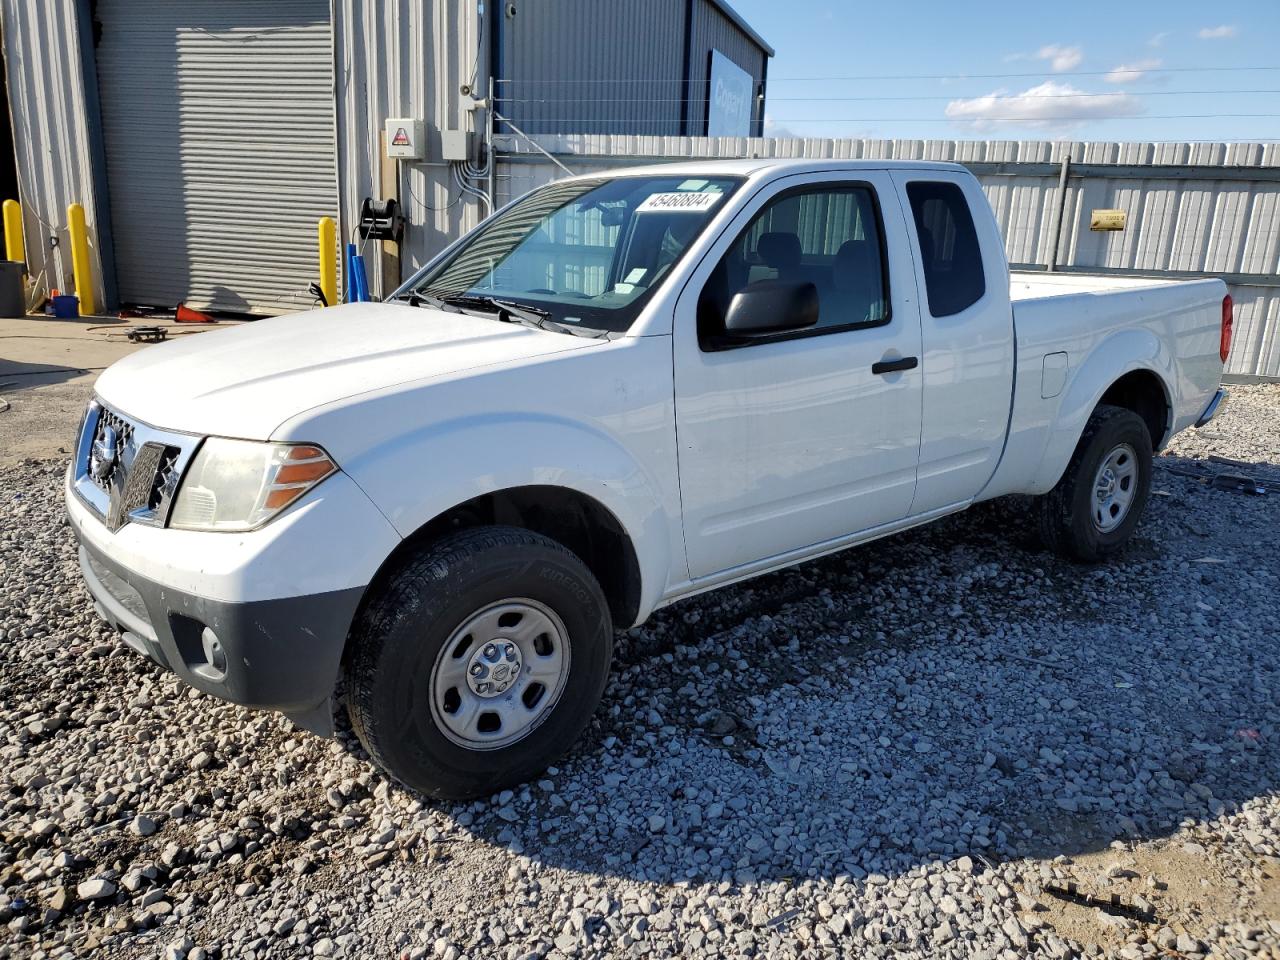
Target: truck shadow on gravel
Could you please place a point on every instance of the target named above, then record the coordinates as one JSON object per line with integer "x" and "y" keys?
{"x": 955, "y": 690}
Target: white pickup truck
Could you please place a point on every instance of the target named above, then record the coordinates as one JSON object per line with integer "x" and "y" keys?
{"x": 618, "y": 391}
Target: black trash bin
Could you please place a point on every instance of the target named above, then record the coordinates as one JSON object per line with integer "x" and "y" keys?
{"x": 13, "y": 294}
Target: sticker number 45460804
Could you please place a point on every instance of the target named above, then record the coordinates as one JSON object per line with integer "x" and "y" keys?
{"x": 680, "y": 201}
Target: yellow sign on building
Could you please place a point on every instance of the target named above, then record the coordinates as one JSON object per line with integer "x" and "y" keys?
{"x": 1107, "y": 220}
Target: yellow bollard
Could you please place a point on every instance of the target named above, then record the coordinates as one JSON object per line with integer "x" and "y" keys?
{"x": 80, "y": 267}
{"x": 328, "y": 234}
{"x": 15, "y": 247}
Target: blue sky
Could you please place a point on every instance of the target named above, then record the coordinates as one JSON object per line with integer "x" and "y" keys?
{"x": 1069, "y": 53}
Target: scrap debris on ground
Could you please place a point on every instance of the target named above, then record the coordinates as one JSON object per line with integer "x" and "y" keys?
{"x": 946, "y": 744}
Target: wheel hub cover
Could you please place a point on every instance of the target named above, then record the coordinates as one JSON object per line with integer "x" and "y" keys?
{"x": 494, "y": 668}
{"x": 1114, "y": 487}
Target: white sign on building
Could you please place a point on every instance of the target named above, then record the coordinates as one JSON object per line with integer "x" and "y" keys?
{"x": 729, "y": 109}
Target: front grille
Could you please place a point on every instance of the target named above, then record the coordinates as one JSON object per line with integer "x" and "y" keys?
{"x": 124, "y": 439}
{"x": 166, "y": 479}
{"x": 140, "y": 480}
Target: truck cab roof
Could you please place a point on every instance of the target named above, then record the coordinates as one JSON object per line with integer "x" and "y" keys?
{"x": 774, "y": 166}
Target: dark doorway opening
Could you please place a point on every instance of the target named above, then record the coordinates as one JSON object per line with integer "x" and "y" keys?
{"x": 8, "y": 159}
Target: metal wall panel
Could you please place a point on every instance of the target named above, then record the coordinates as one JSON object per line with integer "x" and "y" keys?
{"x": 1183, "y": 214}
{"x": 437, "y": 47}
{"x": 582, "y": 66}
{"x": 51, "y": 126}
{"x": 219, "y": 137}
{"x": 711, "y": 30}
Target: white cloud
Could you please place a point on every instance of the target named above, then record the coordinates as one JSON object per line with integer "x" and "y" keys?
{"x": 1224, "y": 32}
{"x": 1049, "y": 104}
{"x": 774, "y": 129}
{"x": 1061, "y": 58}
{"x": 1157, "y": 40}
{"x": 1129, "y": 72}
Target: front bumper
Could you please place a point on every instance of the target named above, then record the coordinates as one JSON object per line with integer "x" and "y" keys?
{"x": 279, "y": 655}
{"x": 258, "y": 618}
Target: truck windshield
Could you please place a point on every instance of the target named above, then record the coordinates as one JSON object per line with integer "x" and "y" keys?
{"x": 585, "y": 254}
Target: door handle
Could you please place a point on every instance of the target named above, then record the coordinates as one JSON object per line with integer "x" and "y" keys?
{"x": 894, "y": 366}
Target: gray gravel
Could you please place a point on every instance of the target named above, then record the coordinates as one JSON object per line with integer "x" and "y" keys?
{"x": 945, "y": 744}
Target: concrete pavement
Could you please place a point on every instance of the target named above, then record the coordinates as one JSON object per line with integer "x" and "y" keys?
{"x": 47, "y": 371}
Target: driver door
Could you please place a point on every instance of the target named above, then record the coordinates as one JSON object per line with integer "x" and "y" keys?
{"x": 792, "y": 441}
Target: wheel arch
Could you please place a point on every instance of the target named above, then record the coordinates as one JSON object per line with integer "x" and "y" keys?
{"x": 573, "y": 519}
{"x": 1130, "y": 369}
{"x": 1145, "y": 393}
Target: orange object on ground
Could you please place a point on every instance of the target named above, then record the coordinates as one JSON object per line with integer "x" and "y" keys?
{"x": 185, "y": 314}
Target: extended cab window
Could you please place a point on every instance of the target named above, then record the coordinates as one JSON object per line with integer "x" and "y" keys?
{"x": 949, "y": 249}
{"x": 827, "y": 236}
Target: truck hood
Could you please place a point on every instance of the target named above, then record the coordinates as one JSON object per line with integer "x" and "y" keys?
{"x": 245, "y": 381}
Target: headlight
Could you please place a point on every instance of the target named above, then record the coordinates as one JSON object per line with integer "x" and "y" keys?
{"x": 235, "y": 485}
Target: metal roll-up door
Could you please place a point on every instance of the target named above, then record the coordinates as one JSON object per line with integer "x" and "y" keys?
{"x": 218, "y": 119}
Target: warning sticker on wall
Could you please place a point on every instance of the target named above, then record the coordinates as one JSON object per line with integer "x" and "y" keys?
{"x": 401, "y": 138}
{"x": 680, "y": 202}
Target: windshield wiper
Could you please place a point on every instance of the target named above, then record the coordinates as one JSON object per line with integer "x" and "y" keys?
{"x": 520, "y": 311}
{"x": 418, "y": 298}
{"x": 511, "y": 312}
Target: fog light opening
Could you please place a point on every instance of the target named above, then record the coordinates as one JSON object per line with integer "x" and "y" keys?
{"x": 215, "y": 657}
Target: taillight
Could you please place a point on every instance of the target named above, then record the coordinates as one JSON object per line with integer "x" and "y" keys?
{"x": 1224, "y": 344}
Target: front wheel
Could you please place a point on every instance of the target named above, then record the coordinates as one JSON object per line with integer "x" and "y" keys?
{"x": 1096, "y": 505}
{"x": 478, "y": 662}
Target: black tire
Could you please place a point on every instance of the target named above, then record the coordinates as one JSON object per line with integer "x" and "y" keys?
{"x": 1066, "y": 513}
{"x": 414, "y": 612}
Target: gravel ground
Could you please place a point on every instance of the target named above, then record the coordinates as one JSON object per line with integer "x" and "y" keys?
{"x": 39, "y": 420}
{"x": 948, "y": 744}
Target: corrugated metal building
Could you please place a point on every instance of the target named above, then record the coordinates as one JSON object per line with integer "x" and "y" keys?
{"x": 220, "y": 149}
{"x": 205, "y": 139}
{"x": 583, "y": 66}
{"x": 231, "y": 127}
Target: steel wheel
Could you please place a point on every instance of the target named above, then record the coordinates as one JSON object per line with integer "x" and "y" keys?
{"x": 1114, "y": 487}
{"x": 1092, "y": 511}
{"x": 500, "y": 674}
{"x": 438, "y": 625}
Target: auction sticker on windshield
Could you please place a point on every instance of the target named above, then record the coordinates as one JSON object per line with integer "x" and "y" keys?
{"x": 679, "y": 201}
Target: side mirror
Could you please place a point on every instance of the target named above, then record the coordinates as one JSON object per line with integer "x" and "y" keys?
{"x": 767, "y": 307}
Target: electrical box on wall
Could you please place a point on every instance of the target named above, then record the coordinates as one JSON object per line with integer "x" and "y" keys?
{"x": 405, "y": 139}
{"x": 455, "y": 145}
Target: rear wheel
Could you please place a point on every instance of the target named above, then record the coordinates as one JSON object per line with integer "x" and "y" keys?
{"x": 478, "y": 663}
{"x": 1097, "y": 504}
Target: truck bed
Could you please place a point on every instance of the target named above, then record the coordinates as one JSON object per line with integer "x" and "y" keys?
{"x": 1170, "y": 327}
{"x": 1174, "y": 325}
{"x": 1035, "y": 285}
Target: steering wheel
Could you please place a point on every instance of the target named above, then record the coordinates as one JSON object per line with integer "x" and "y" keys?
{"x": 546, "y": 290}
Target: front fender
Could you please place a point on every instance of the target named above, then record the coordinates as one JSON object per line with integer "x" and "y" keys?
{"x": 1110, "y": 359}
{"x": 419, "y": 475}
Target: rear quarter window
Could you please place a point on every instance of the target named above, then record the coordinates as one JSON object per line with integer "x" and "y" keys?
{"x": 949, "y": 249}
